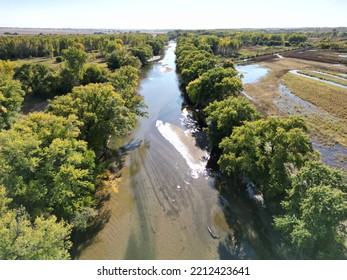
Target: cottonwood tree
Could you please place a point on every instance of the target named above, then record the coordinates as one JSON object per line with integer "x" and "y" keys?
{"x": 267, "y": 152}
{"x": 125, "y": 80}
{"x": 223, "y": 116}
{"x": 315, "y": 207}
{"x": 45, "y": 167}
{"x": 36, "y": 79}
{"x": 21, "y": 239}
{"x": 11, "y": 99}
{"x": 101, "y": 110}
{"x": 215, "y": 84}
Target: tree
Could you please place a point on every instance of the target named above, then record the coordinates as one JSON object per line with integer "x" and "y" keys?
{"x": 125, "y": 80}
{"x": 296, "y": 39}
{"x": 223, "y": 116}
{"x": 267, "y": 152}
{"x": 36, "y": 79}
{"x": 215, "y": 84}
{"x": 192, "y": 63}
{"x": 93, "y": 74}
{"x": 142, "y": 52}
{"x": 75, "y": 58}
{"x": 315, "y": 212}
{"x": 45, "y": 168}
{"x": 7, "y": 67}
{"x": 11, "y": 98}
{"x": 121, "y": 58}
{"x": 228, "y": 46}
{"x": 45, "y": 239}
{"x": 101, "y": 110}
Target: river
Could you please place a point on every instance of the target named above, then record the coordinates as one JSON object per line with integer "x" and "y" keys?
{"x": 168, "y": 206}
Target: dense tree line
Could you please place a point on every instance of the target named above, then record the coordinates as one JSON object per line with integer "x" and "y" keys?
{"x": 18, "y": 47}
{"x": 306, "y": 198}
{"x": 228, "y": 42}
{"x": 53, "y": 172}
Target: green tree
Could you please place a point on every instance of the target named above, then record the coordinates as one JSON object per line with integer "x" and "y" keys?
{"x": 143, "y": 53}
{"x": 215, "y": 84}
{"x": 228, "y": 46}
{"x": 93, "y": 74}
{"x": 121, "y": 58}
{"x": 192, "y": 63}
{"x": 11, "y": 98}
{"x": 75, "y": 58}
{"x": 125, "y": 80}
{"x": 45, "y": 168}
{"x": 45, "y": 239}
{"x": 267, "y": 152}
{"x": 35, "y": 79}
{"x": 223, "y": 116}
{"x": 101, "y": 110}
{"x": 7, "y": 67}
{"x": 313, "y": 225}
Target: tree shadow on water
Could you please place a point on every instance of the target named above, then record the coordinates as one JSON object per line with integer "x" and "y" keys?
{"x": 82, "y": 240}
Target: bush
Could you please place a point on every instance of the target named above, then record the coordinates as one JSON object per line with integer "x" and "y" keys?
{"x": 59, "y": 59}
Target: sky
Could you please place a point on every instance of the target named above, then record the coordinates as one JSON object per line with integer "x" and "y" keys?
{"x": 174, "y": 14}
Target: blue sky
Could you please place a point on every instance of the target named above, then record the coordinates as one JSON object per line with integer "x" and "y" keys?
{"x": 174, "y": 14}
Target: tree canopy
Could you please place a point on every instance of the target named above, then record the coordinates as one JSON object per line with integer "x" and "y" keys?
{"x": 215, "y": 84}
{"x": 20, "y": 239}
{"x": 11, "y": 98}
{"x": 45, "y": 168}
{"x": 313, "y": 225}
{"x": 223, "y": 116}
{"x": 266, "y": 152}
{"x": 101, "y": 110}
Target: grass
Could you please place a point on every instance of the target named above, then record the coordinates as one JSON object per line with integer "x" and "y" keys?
{"x": 328, "y": 97}
{"x": 253, "y": 51}
{"x": 335, "y": 74}
{"x": 93, "y": 58}
{"x": 322, "y": 76}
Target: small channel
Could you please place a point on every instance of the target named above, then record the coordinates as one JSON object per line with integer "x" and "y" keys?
{"x": 317, "y": 79}
{"x": 168, "y": 206}
{"x": 334, "y": 154}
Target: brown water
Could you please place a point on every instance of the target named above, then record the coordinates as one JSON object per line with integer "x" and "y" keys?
{"x": 167, "y": 199}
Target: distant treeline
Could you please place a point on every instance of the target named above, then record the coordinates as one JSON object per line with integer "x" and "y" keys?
{"x": 237, "y": 39}
{"x": 18, "y": 47}
{"x": 306, "y": 198}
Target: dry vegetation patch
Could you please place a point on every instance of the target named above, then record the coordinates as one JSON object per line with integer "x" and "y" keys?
{"x": 322, "y": 76}
{"x": 328, "y": 97}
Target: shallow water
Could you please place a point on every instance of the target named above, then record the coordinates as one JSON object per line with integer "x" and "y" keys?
{"x": 167, "y": 199}
{"x": 251, "y": 73}
{"x": 333, "y": 154}
{"x": 317, "y": 79}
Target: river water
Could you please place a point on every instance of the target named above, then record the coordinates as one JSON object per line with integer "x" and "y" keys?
{"x": 168, "y": 206}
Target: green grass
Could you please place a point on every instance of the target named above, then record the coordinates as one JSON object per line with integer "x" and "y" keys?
{"x": 93, "y": 58}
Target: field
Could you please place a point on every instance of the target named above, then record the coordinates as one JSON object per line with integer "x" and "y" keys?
{"x": 331, "y": 98}
{"x": 324, "y": 76}
{"x": 325, "y": 117}
{"x": 326, "y": 56}
{"x": 93, "y": 58}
